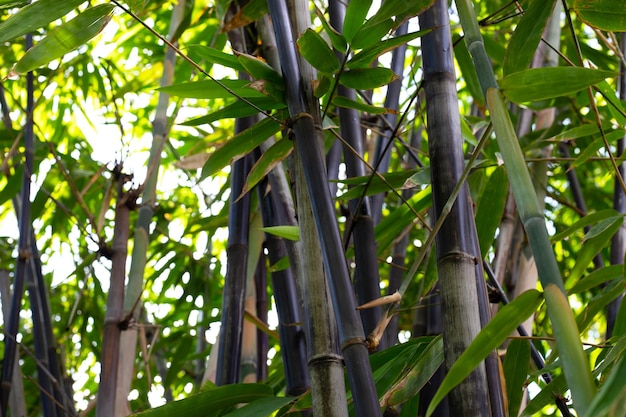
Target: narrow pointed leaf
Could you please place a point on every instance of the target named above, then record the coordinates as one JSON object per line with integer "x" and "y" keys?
{"x": 240, "y": 145}
{"x": 592, "y": 246}
{"x": 417, "y": 376}
{"x": 367, "y": 78}
{"x": 212, "y": 401}
{"x": 209, "y": 89}
{"x": 355, "y": 16}
{"x": 607, "y": 15}
{"x": 527, "y": 36}
{"x": 588, "y": 220}
{"x": 317, "y": 52}
{"x": 489, "y": 208}
{"x": 237, "y": 109}
{"x": 270, "y": 158}
{"x": 516, "y": 364}
{"x": 336, "y": 38}
{"x": 214, "y": 56}
{"x": 341, "y": 101}
{"x": 538, "y": 84}
{"x": 611, "y": 399}
{"x": 258, "y": 69}
{"x": 34, "y": 16}
{"x": 545, "y": 397}
{"x": 400, "y": 9}
{"x": 573, "y": 360}
{"x": 489, "y": 338}
{"x": 65, "y": 38}
{"x": 373, "y": 34}
{"x": 264, "y": 407}
{"x": 597, "y": 277}
{"x": 286, "y": 232}
{"x": 365, "y": 57}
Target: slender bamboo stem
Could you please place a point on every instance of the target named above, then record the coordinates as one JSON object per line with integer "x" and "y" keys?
{"x": 115, "y": 303}
{"x": 306, "y": 142}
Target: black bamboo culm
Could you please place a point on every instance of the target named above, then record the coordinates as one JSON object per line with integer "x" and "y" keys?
{"x": 262, "y": 346}
{"x": 306, "y": 133}
{"x": 233, "y": 297}
{"x": 454, "y": 242}
{"x": 292, "y": 341}
{"x": 115, "y": 300}
{"x": 618, "y": 242}
{"x": 366, "y": 276}
{"x": 382, "y": 156}
{"x": 534, "y": 353}
{"x": 12, "y": 324}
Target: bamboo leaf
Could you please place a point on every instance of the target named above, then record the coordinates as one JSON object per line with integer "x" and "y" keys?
{"x": 527, "y": 36}
{"x": 341, "y": 101}
{"x": 546, "y": 396}
{"x": 240, "y": 145}
{"x": 212, "y": 401}
{"x": 371, "y": 36}
{"x": 367, "y": 78}
{"x": 270, "y": 158}
{"x": 597, "y": 277}
{"x": 65, "y": 38}
{"x": 252, "y": 11}
{"x": 489, "y": 338}
{"x": 400, "y": 9}
{"x": 264, "y": 407}
{"x": 317, "y": 52}
{"x": 209, "y": 89}
{"x": 611, "y": 398}
{"x": 598, "y": 304}
{"x": 468, "y": 71}
{"x": 377, "y": 185}
{"x": 365, "y": 57}
{"x": 259, "y": 69}
{"x": 286, "y": 232}
{"x": 538, "y": 84}
{"x": 355, "y": 16}
{"x": 489, "y": 208}
{"x": 214, "y": 56}
{"x": 516, "y": 364}
{"x": 609, "y": 15}
{"x": 573, "y": 359}
{"x": 588, "y": 220}
{"x": 34, "y": 16}
{"x": 416, "y": 377}
{"x": 336, "y": 38}
{"x": 237, "y": 109}
{"x": 603, "y": 232}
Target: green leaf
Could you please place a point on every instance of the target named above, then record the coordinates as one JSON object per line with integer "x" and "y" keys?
{"x": 398, "y": 9}
{"x": 65, "y": 38}
{"x": 240, "y": 145}
{"x": 396, "y": 180}
{"x": 417, "y": 376}
{"x": 603, "y": 232}
{"x": 341, "y": 101}
{"x": 609, "y": 15}
{"x": 355, "y": 16}
{"x": 270, "y": 158}
{"x": 365, "y": 57}
{"x": 34, "y": 16}
{"x": 597, "y": 277}
{"x": 210, "y": 402}
{"x": 371, "y": 36}
{"x": 546, "y": 396}
{"x": 527, "y": 35}
{"x": 593, "y": 148}
{"x": 210, "y": 89}
{"x": 489, "y": 338}
{"x": 489, "y": 208}
{"x": 258, "y": 69}
{"x": 336, "y": 38}
{"x": 611, "y": 398}
{"x": 515, "y": 367}
{"x": 286, "y": 232}
{"x": 538, "y": 84}
{"x": 468, "y": 70}
{"x": 317, "y": 52}
{"x": 588, "y": 220}
{"x": 214, "y": 56}
{"x": 367, "y": 78}
{"x": 237, "y": 109}
{"x": 264, "y": 407}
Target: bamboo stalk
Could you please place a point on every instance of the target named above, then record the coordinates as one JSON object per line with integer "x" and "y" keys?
{"x": 455, "y": 247}
{"x": 107, "y": 389}
{"x": 305, "y": 133}
{"x": 12, "y": 324}
{"x": 366, "y": 277}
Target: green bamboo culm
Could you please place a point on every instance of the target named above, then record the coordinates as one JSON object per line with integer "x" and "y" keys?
{"x": 575, "y": 365}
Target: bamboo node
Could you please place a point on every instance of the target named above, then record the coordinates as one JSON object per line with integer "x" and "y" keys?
{"x": 352, "y": 341}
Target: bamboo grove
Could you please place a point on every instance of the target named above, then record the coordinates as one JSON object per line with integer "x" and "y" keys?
{"x": 327, "y": 208}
